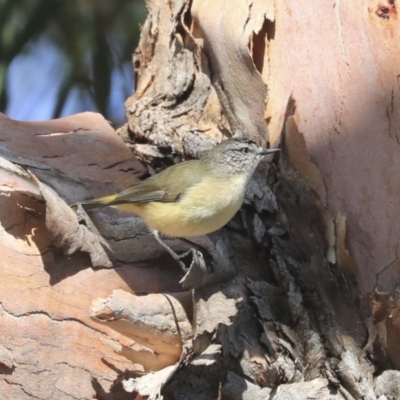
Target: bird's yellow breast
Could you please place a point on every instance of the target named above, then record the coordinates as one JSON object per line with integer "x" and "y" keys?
{"x": 203, "y": 209}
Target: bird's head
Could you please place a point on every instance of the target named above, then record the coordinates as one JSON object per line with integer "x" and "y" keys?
{"x": 237, "y": 155}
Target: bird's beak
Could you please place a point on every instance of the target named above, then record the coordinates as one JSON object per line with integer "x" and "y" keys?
{"x": 264, "y": 152}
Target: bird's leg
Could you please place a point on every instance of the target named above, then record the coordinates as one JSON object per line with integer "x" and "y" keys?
{"x": 175, "y": 256}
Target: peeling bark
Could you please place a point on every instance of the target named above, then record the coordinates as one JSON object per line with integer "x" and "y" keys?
{"x": 48, "y": 338}
{"x": 302, "y": 300}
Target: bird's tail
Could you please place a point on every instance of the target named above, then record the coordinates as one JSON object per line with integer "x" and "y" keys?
{"x": 96, "y": 203}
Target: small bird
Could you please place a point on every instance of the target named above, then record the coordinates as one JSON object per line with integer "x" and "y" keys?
{"x": 195, "y": 197}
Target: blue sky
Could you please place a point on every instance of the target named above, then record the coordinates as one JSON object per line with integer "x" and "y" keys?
{"x": 35, "y": 78}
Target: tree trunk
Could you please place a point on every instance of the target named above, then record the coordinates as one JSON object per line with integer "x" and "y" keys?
{"x": 302, "y": 302}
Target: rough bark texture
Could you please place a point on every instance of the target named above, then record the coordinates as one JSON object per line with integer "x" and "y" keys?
{"x": 302, "y": 302}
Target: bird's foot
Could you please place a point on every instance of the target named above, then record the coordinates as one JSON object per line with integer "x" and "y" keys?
{"x": 196, "y": 256}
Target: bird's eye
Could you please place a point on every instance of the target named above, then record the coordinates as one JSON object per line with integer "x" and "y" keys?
{"x": 245, "y": 150}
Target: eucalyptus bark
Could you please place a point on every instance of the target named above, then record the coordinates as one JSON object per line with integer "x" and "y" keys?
{"x": 302, "y": 300}
{"x": 320, "y": 303}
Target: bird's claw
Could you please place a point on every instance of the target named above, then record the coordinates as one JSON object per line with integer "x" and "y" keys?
{"x": 196, "y": 256}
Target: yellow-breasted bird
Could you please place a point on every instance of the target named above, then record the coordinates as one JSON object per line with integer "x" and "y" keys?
{"x": 194, "y": 197}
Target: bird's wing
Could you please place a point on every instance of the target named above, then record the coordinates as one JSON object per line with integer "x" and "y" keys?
{"x": 166, "y": 186}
